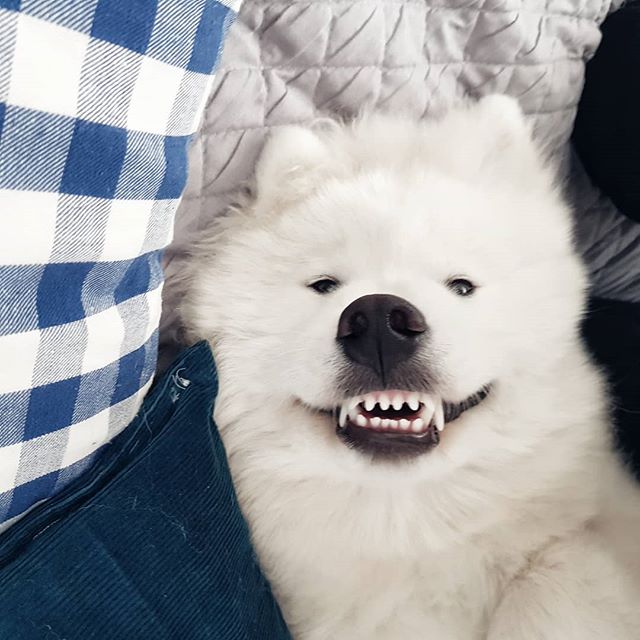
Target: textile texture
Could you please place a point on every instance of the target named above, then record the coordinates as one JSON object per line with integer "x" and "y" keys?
{"x": 98, "y": 100}
{"x": 149, "y": 543}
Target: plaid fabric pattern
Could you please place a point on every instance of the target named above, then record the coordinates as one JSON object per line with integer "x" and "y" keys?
{"x": 98, "y": 99}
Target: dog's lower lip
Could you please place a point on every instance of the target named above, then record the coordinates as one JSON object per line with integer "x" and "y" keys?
{"x": 388, "y": 445}
{"x": 423, "y": 433}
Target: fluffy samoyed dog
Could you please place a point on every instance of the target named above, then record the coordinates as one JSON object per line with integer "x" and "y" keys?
{"x": 418, "y": 439}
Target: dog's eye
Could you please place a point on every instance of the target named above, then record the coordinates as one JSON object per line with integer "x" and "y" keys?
{"x": 461, "y": 286}
{"x": 324, "y": 285}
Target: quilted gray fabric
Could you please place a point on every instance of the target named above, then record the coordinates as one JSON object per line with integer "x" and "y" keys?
{"x": 288, "y": 62}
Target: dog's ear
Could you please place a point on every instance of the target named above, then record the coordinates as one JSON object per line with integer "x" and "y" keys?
{"x": 498, "y": 139}
{"x": 293, "y": 161}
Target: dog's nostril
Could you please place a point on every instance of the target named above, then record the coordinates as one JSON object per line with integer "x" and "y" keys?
{"x": 353, "y": 325}
{"x": 359, "y": 324}
{"x": 407, "y": 321}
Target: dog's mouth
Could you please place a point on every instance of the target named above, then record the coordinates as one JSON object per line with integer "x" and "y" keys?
{"x": 398, "y": 423}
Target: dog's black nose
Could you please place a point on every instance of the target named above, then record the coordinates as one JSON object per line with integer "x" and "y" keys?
{"x": 380, "y": 331}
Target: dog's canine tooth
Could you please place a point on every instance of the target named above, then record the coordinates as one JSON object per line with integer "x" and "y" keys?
{"x": 342, "y": 421}
{"x": 413, "y": 400}
{"x": 398, "y": 401}
{"x": 369, "y": 403}
{"x": 439, "y": 415}
{"x": 351, "y": 406}
{"x": 428, "y": 408}
{"x": 383, "y": 401}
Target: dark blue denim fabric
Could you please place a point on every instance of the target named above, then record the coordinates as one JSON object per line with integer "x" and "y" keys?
{"x": 150, "y": 543}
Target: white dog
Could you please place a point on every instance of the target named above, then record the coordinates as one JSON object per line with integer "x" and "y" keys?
{"x": 418, "y": 439}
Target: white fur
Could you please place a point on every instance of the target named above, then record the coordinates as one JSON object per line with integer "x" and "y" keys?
{"x": 520, "y": 524}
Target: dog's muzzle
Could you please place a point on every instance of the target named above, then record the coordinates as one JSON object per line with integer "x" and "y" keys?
{"x": 381, "y": 336}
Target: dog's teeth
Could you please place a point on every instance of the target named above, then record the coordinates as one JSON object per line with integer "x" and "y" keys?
{"x": 432, "y": 412}
{"x": 352, "y": 408}
{"x": 438, "y": 416}
{"x": 413, "y": 401}
{"x": 428, "y": 410}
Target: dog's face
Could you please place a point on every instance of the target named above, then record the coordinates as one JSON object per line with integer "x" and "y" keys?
{"x": 387, "y": 280}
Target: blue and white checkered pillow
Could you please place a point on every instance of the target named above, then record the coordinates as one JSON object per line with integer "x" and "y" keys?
{"x": 98, "y": 99}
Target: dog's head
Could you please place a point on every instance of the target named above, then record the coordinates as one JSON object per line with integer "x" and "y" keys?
{"x": 386, "y": 280}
